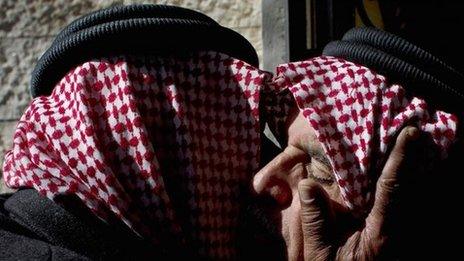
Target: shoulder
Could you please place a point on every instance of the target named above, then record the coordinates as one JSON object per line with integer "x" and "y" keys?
{"x": 14, "y": 246}
{"x": 18, "y": 242}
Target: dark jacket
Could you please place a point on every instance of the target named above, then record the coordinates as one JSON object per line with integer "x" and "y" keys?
{"x": 33, "y": 227}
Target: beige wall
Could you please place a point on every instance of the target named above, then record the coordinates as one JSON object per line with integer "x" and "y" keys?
{"x": 28, "y": 26}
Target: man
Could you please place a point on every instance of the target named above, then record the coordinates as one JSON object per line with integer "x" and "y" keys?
{"x": 142, "y": 156}
{"x": 310, "y": 208}
{"x": 314, "y": 221}
{"x": 161, "y": 210}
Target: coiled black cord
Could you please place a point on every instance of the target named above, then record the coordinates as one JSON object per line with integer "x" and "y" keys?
{"x": 419, "y": 72}
{"x": 131, "y": 11}
{"x": 88, "y": 38}
{"x": 406, "y": 51}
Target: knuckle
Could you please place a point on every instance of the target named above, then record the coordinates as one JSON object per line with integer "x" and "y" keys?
{"x": 372, "y": 245}
{"x": 352, "y": 250}
{"x": 319, "y": 253}
{"x": 311, "y": 218}
{"x": 387, "y": 184}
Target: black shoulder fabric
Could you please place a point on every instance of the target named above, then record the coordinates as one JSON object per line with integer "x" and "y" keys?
{"x": 123, "y": 12}
{"x": 401, "y": 48}
{"x": 113, "y": 32}
{"x": 18, "y": 247}
{"x": 52, "y": 224}
{"x": 71, "y": 231}
{"x": 416, "y": 81}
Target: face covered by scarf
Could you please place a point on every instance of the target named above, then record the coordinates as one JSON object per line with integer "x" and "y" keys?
{"x": 165, "y": 144}
{"x": 356, "y": 115}
{"x": 162, "y": 144}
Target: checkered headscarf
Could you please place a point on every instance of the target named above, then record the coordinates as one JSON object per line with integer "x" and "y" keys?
{"x": 159, "y": 143}
{"x": 163, "y": 144}
{"x": 356, "y": 114}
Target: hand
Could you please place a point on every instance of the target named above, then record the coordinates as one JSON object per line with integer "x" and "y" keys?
{"x": 327, "y": 236}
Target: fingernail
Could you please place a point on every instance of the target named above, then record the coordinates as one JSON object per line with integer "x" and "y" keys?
{"x": 413, "y": 133}
{"x": 307, "y": 192}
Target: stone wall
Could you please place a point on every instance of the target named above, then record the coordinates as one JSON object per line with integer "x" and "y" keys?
{"x": 27, "y": 27}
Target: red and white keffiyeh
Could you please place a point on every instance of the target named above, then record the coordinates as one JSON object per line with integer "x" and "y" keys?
{"x": 161, "y": 143}
{"x": 164, "y": 144}
{"x": 356, "y": 114}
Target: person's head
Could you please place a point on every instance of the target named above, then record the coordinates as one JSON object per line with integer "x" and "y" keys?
{"x": 163, "y": 144}
{"x": 277, "y": 202}
{"x": 159, "y": 144}
{"x": 310, "y": 156}
{"x": 276, "y": 231}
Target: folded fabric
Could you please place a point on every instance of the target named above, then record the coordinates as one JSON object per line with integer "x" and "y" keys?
{"x": 165, "y": 144}
{"x": 356, "y": 114}
{"x": 421, "y": 73}
{"x": 161, "y": 143}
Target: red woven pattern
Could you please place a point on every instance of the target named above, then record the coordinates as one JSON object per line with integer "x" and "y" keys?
{"x": 356, "y": 115}
{"x": 164, "y": 144}
{"x": 146, "y": 139}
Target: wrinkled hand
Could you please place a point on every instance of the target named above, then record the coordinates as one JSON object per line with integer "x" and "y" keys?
{"x": 325, "y": 238}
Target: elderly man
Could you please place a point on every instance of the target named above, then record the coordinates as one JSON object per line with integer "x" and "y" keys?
{"x": 311, "y": 194}
{"x": 315, "y": 223}
{"x": 140, "y": 156}
{"x": 118, "y": 167}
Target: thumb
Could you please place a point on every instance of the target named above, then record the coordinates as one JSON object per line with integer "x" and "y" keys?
{"x": 317, "y": 220}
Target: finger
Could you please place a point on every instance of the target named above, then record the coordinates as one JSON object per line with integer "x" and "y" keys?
{"x": 272, "y": 172}
{"x": 316, "y": 219}
{"x": 384, "y": 207}
{"x": 274, "y": 178}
